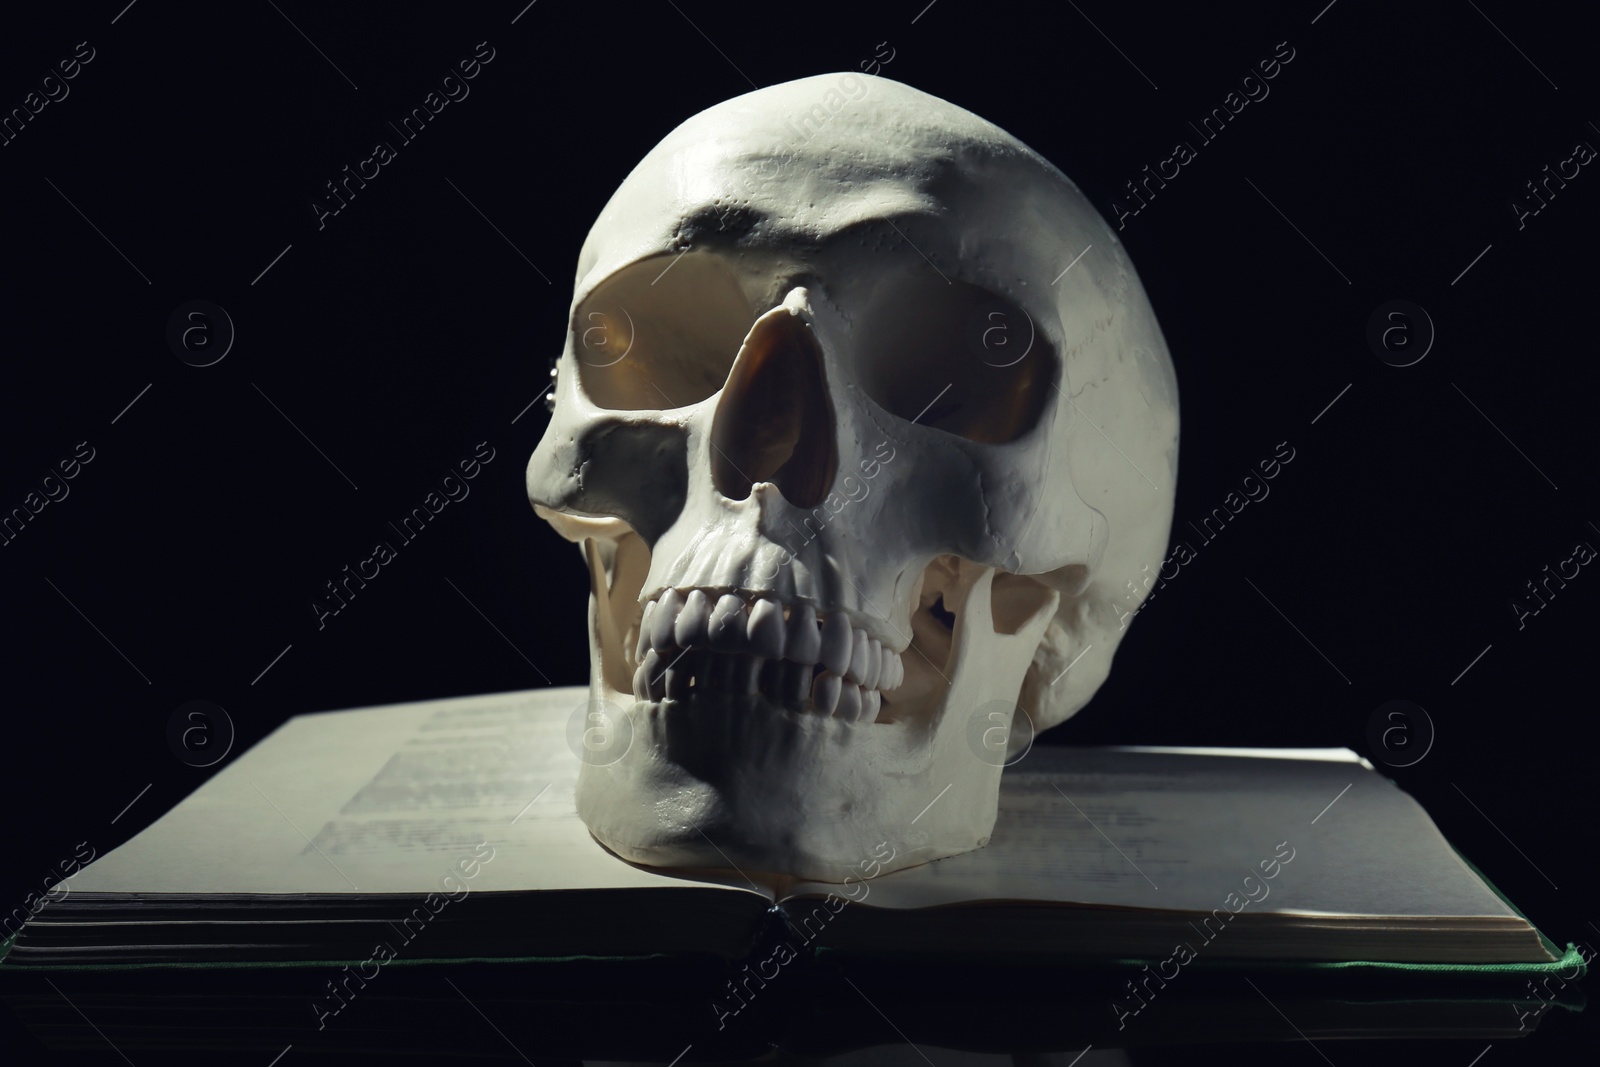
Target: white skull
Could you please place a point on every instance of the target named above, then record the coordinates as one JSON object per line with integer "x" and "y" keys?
{"x": 818, "y": 367}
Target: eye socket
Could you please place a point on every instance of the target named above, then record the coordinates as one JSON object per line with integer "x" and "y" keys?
{"x": 661, "y": 333}
{"x": 955, "y": 357}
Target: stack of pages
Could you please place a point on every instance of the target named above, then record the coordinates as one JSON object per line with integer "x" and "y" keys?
{"x": 446, "y": 830}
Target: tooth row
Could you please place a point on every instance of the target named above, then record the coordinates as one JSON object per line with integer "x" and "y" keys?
{"x": 677, "y": 621}
{"x": 675, "y": 673}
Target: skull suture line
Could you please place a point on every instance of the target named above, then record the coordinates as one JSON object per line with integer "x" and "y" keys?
{"x": 852, "y": 459}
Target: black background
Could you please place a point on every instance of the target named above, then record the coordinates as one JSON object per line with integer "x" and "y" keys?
{"x": 415, "y": 325}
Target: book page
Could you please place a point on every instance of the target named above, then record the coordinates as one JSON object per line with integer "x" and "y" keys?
{"x": 387, "y": 800}
{"x": 1160, "y": 829}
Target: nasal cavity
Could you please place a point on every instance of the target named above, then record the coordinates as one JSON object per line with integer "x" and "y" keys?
{"x": 774, "y": 422}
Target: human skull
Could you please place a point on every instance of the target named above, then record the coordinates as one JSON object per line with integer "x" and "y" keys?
{"x": 869, "y": 436}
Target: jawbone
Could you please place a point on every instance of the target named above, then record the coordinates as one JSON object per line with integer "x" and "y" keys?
{"x": 765, "y": 789}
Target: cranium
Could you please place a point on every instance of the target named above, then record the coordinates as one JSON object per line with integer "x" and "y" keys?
{"x": 869, "y": 436}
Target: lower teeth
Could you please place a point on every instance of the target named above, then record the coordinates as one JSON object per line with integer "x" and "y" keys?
{"x": 796, "y": 686}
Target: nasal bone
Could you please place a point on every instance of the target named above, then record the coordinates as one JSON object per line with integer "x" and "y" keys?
{"x": 774, "y": 421}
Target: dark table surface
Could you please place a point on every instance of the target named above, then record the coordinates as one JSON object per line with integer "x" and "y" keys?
{"x": 681, "y": 1012}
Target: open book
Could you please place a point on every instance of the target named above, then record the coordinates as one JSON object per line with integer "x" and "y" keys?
{"x": 446, "y": 830}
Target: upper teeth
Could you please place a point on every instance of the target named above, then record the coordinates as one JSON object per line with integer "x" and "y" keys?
{"x": 724, "y": 645}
